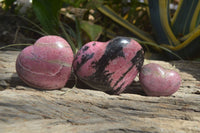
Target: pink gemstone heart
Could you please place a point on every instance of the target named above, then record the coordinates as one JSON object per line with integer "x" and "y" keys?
{"x": 46, "y": 64}
{"x": 157, "y": 81}
{"x": 109, "y": 66}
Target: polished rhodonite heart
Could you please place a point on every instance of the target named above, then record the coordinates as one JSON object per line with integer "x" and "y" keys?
{"x": 109, "y": 66}
{"x": 157, "y": 81}
{"x": 46, "y": 64}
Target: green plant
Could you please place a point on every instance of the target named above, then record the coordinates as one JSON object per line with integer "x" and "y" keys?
{"x": 51, "y": 20}
{"x": 54, "y": 21}
{"x": 180, "y": 34}
{"x": 47, "y": 13}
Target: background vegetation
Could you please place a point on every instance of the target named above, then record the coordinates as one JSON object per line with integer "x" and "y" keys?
{"x": 165, "y": 33}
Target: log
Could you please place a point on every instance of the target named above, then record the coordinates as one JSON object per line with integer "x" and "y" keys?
{"x": 24, "y": 109}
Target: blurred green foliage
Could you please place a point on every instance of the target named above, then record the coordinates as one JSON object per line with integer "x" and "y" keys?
{"x": 78, "y": 21}
{"x": 81, "y": 21}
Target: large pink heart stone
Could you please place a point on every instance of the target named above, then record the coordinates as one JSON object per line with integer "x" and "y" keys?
{"x": 46, "y": 64}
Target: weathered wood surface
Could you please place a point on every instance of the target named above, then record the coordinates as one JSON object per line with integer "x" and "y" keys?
{"x": 24, "y": 109}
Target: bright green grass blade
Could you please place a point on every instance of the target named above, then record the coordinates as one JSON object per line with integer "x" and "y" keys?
{"x": 106, "y": 10}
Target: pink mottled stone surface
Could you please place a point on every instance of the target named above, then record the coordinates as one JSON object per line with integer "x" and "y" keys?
{"x": 157, "y": 81}
{"x": 46, "y": 64}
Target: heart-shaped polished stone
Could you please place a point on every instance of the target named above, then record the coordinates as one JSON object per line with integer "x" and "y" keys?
{"x": 46, "y": 64}
{"x": 157, "y": 81}
{"x": 109, "y": 66}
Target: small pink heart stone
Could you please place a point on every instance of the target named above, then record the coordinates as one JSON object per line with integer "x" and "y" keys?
{"x": 46, "y": 64}
{"x": 157, "y": 81}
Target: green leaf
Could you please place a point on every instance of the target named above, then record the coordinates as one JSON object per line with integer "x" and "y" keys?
{"x": 190, "y": 47}
{"x": 185, "y": 17}
{"x": 192, "y": 33}
{"x": 159, "y": 13}
{"x": 47, "y": 12}
{"x": 92, "y": 30}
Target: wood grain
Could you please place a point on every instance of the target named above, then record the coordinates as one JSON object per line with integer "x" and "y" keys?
{"x": 26, "y": 110}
